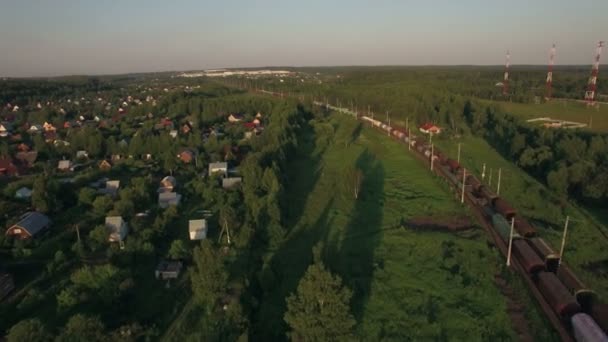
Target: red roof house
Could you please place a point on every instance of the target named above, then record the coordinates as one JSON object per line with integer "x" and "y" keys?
{"x": 429, "y": 128}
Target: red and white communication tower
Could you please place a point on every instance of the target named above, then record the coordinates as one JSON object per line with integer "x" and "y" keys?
{"x": 550, "y": 72}
{"x": 505, "y": 81}
{"x": 595, "y": 69}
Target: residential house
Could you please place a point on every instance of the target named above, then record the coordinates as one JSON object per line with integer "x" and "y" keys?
{"x": 235, "y": 118}
{"x": 48, "y": 127}
{"x": 27, "y": 159}
{"x": 30, "y": 225}
{"x": 115, "y": 158}
{"x": 167, "y": 184}
{"x": 230, "y": 182}
{"x": 8, "y": 168}
{"x": 16, "y": 108}
{"x": 186, "y": 156}
{"x": 23, "y": 193}
{"x": 165, "y": 123}
{"x": 123, "y": 143}
{"x": 117, "y": 227}
{"x": 64, "y": 165}
{"x": 218, "y": 167}
{"x": 35, "y": 129}
{"x": 168, "y": 269}
{"x": 111, "y": 188}
{"x": 197, "y": 229}
{"x": 166, "y": 199}
{"x": 62, "y": 143}
{"x": 23, "y": 147}
{"x": 7, "y": 284}
{"x": 105, "y": 165}
{"x": 5, "y": 130}
{"x": 250, "y": 125}
{"x": 50, "y": 136}
{"x": 186, "y": 128}
{"x": 82, "y": 154}
{"x": 429, "y": 128}
{"x": 258, "y": 116}
{"x": 173, "y": 133}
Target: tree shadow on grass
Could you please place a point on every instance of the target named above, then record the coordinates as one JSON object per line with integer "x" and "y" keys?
{"x": 287, "y": 267}
{"x": 353, "y": 256}
{"x": 302, "y": 175}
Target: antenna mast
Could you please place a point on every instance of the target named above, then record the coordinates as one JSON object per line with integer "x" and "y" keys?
{"x": 550, "y": 73}
{"x": 595, "y": 68}
{"x": 505, "y": 82}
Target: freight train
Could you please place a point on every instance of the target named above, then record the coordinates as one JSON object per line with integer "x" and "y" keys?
{"x": 569, "y": 298}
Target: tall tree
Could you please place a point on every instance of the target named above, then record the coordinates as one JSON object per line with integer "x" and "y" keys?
{"x": 209, "y": 276}
{"x": 320, "y": 311}
{"x": 30, "y": 330}
{"x": 82, "y": 328}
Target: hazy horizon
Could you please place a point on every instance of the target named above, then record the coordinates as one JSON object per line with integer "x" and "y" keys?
{"x": 68, "y": 37}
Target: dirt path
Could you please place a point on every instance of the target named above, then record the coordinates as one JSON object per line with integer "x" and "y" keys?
{"x": 515, "y": 310}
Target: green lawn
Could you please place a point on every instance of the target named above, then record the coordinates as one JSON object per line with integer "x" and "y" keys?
{"x": 586, "y": 247}
{"x": 562, "y": 110}
{"x": 408, "y": 284}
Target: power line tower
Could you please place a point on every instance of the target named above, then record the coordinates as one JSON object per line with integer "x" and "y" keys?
{"x": 595, "y": 68}
{"x": 550, "y": 73}
{"x": 505, "y": 81}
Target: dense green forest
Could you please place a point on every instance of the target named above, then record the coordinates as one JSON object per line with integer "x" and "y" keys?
{"x": 450, "y": 97}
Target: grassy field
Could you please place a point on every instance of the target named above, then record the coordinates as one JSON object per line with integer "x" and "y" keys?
{"x": 587, "y": 243}
{"x": 561, "y": 110}
{"x": 409, "y": 285}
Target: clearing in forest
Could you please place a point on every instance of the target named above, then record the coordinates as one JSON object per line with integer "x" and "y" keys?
{"x": 408, "y": 283}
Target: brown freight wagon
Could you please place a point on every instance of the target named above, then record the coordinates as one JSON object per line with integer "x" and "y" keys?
{"x": 524, "y": 228}
{"x": 557, "y": 295}
{"x": 502, "y": 207}
{"x": 474, "y": 182}
{"x": 546, "y": 253}
{"x": 453, "y": 165}
{"x": 599, "y": 313}
{"x": 531, "y": 262}
{"x": 487, "y": 194}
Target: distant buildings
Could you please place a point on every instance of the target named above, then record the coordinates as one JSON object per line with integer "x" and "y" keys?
{"x": 224, "y": 73}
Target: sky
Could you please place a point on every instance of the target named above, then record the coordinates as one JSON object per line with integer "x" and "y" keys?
{"x": 68, "y": 37}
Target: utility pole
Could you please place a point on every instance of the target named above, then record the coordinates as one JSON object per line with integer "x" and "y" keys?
{"x": 498, "y": 187}
{"x": 561, "y": 250}
{"x": 409, "y": 140}
{"x": 458, "y": 153}
{"x": 464, "y": 175}
{"x": 432, "y": 155}
{"x": 510, "y": 242}
{"x": 483, "y": 172}
{"x": 490, "y": 177}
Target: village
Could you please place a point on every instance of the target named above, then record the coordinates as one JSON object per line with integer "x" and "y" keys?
{"x": 87, "y": 180}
